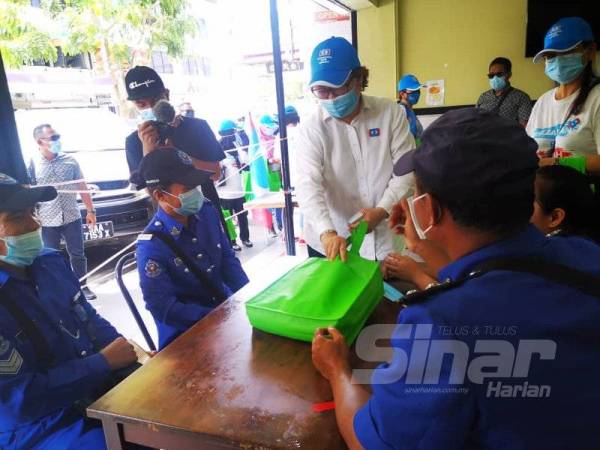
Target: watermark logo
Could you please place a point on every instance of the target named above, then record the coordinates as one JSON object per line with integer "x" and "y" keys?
{"x": 479, "y": 355}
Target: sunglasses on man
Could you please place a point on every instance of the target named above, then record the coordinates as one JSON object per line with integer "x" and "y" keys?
{"x": 54, "y": 137}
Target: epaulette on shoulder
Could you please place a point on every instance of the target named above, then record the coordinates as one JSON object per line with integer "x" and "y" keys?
{"x": 415, "y": 296}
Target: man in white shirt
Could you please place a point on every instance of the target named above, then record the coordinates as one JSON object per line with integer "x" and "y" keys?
{"x": 346, "y": 152}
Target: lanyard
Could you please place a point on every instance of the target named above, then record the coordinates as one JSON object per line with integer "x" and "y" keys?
{"x": 550, "y": 152}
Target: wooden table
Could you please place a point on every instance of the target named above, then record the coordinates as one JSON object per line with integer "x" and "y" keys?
{"x": 224, "y": 385}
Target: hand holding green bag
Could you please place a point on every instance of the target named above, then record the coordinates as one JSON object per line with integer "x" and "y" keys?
{"x": 319, "y": 293}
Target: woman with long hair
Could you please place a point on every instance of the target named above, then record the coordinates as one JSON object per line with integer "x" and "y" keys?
{"x": 565, "y": 121}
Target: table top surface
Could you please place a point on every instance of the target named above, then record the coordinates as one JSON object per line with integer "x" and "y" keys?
{"x": 223, "y": 379}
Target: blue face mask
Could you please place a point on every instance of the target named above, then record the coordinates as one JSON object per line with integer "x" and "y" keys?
{"x": 413, "y": 97}
{"x": 191, "y": 202}
{"x": 55, "y": 147}
{"x": 498, "y": 83}
{"x": 23, "y": 249}
{"x": 341, "y": 106}
{"x": 564, "y": 68}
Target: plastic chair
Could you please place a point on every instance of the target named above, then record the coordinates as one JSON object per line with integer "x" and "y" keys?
{"x": 125, "y": 259}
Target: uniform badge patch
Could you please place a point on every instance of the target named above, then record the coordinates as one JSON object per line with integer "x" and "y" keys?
{"x": 4, "y": 345}
{"x": 374, "y": 132}
{"x": 185, "y": 158}
{"x": 12, "y": 364}
{"x": 5, "y": 179}
{"x": 152, "y": 269}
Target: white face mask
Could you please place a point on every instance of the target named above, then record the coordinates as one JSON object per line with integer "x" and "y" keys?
{"x": 413, "y": 215}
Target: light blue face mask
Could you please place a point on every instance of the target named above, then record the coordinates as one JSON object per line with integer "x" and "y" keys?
{"x": 341, "y": 106}
{"x": 23, "y": 249}
{"x": 498, "y": 83}
{"x": 564, "y": 68}
{"x": 55, "y": 147}
{"x": 191, "y": 201}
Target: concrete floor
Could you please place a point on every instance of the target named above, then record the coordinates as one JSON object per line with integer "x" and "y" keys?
{"x": 112, "y": 306}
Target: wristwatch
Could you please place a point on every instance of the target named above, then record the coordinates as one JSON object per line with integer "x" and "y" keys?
{"x": 92, "y": 211}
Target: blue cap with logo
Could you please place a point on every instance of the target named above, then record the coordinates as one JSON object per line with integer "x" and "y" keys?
{"x": 17, "y": 197}
{"x": 166, "y": 166}
{"x": 332, "y": 61}
{"x": 468, "y": 153}
{"x": 409, "y": 83}
{"x": 227, "y": 125}
{"x": 268, "y": 121}
{"x": 565, "y": 35}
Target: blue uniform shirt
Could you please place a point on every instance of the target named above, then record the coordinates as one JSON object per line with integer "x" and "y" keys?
{"x": 36, "y": 398}
{"x": 174, "y": 296}
{"x": 416, "y": 409}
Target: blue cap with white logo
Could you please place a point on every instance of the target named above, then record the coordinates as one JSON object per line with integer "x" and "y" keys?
{"x": 332, "y": 61}
{"x": 227, "y": 125}
{"x": 565, "y": 35}
{"x": 267, "y": 120}
{"x": 17, "y": 197}
{"x": 409, "y": 83}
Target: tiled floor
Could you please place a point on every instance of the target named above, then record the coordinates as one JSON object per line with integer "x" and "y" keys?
{"x": 111, "y": 305}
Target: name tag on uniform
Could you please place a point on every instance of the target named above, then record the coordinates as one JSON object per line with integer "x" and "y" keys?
{"x": 145, "y": 237}
{"x": 374, "y": 132}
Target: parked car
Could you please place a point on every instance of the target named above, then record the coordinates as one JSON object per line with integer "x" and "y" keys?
{"x": 95, "y": 137}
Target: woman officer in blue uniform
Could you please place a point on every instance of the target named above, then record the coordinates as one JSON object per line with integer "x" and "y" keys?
{"x": 186, "y": 264}
{"x": 56, "y": 353}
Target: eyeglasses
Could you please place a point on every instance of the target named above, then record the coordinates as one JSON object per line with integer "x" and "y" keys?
{"x": 497, "y": 74}
{"x": 54, "y": 137}
{"x": 324, "y": 92}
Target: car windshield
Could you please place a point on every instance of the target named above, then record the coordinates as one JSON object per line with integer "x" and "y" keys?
{"x": 81, "y": 129}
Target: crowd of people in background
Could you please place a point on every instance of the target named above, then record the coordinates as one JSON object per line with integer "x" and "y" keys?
{"x": 476, "y": 211}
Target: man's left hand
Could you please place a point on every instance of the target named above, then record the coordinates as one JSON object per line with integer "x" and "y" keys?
{"x": 330, "y": 352}
{"x": 373, "y": 217}
{"x": 90, "y": 219}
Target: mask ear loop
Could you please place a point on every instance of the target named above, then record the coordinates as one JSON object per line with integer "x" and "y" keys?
{"x": 175, "y": 196}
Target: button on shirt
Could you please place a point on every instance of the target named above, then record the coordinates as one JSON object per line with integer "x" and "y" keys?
{"x": 434, "y": 402}
{"x": 37, "y": 396}
{"x": 343, "y": 168}
{"x": 63, "y": 209}
{"x": 516, "y": 105}
{"x": 173, "y": 294}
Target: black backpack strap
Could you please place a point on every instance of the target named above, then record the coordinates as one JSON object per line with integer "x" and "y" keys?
{"x": 558, "y": 273}
{"x": 216, "y": 292}
{"x": 38, "y": 341}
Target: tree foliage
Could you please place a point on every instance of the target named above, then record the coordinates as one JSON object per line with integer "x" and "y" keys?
{"x": 118, "y": 26}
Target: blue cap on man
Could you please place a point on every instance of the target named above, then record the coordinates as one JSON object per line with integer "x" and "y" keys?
{"x": 409, "y": 83}
{"x": 332, "y": 62}
{"x": 565, "y": 35}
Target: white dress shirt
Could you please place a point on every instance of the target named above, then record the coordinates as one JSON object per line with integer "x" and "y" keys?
{"x": 343, "y": 168}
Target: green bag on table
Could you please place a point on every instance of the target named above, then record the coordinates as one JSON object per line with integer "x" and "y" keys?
{"x": 319, "y": 293}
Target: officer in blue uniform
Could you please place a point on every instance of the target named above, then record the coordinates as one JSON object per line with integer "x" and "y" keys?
{"x": 503, "y": 354}
{"x": 56, "y": 353}
{"x": 186, "y": 264}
